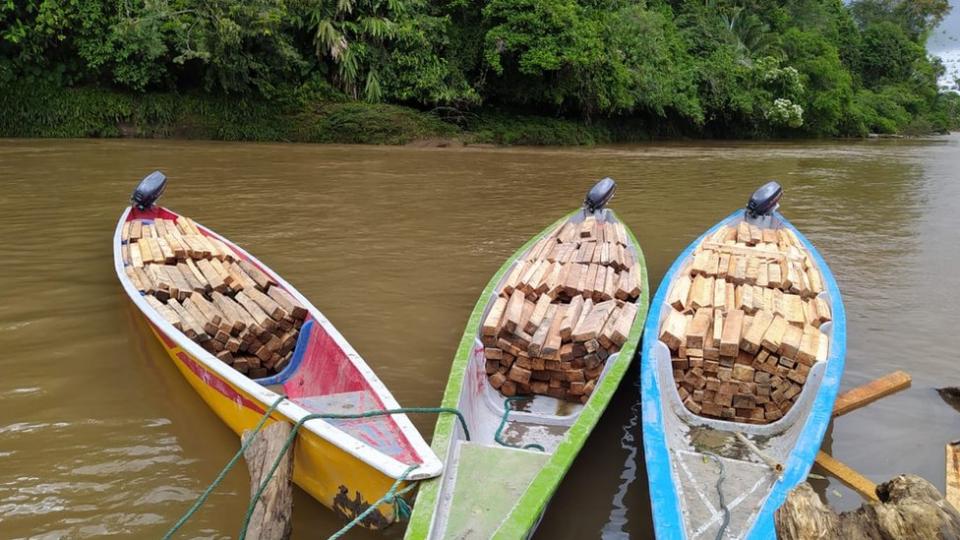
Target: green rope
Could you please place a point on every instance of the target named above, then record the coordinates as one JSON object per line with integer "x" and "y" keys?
{"x": 223, "y": 473}
{"x": 401, "y": 507}
{"x": 337, "y": 416}
{"x": 390, "y": 495}
{"x": 503, "y": 423}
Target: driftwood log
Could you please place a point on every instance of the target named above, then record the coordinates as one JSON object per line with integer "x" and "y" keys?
{"x": 909, "y": 507}
{"x": 271, "y": 519}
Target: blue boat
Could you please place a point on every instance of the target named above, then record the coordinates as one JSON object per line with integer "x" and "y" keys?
{"x": 722, "y": 477}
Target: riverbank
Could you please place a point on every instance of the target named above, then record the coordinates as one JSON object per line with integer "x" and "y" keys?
{"x": 49, "y": 112}
{"x": 45, "y": 112}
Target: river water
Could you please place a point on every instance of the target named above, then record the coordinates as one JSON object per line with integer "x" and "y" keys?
{"x": 100, "y": 435}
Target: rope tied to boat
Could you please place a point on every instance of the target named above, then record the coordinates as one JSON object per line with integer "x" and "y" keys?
{"x": 723, "y": 504}
{"x": 392, "y": 496}
{"x": 503, "y": 422}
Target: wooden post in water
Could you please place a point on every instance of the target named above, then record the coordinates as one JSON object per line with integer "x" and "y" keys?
{"x": 271, "y": 519}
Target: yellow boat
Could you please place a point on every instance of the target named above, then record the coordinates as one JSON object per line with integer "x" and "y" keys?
{"x": 346, "y": 464}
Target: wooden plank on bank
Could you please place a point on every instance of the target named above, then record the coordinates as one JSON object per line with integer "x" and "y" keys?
{"x": 849, "y": 477}
{"x": 868, "y": 393}
{"x": 953, "y": 474}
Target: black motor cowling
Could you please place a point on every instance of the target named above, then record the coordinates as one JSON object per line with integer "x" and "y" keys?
{"x": 599, "y": 195}
{"x": 149, "y": 190}
{"x": 765, "y": 200}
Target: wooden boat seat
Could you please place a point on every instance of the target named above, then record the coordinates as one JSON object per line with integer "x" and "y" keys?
{"x": 486, "y": 485}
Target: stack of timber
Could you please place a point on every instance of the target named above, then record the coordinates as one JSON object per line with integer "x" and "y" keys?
{"x": 744, "y": 324}
{"x": 215, "y": 297}
{"x": 563, "y": 310}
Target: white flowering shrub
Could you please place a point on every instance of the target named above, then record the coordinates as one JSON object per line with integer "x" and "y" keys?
{"x": 784, "y": 112}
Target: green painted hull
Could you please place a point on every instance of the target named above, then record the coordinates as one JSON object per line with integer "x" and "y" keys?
{"x": 525, "y": 514}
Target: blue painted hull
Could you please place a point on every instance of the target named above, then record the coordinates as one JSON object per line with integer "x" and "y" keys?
{"x": 664, "y": 499}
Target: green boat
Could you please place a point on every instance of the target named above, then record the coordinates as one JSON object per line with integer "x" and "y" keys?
{"x": 524, "y": 434}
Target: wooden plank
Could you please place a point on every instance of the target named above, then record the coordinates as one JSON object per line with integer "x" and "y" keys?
{"x": 591, "y": 325}
{"x": 539, "y": 312}
{"x": 514, "y": 311}
{"x": 753, "y": 334}
{"x": 492, "y": 323}
{"x": 197, "y": 273}
{"x": 697, "y": 331}
{"x": 701, "y": 292}
{"x": 571, "y": 317}
{"x": 241, "y": 281}
{"x": 259, "y": 316}
{"x": 720, "y": 296}
{"x": 519, "y": 268}
{"x": 610, "y": 284}
{"x": 135, "y": 279}
{"x": 191, "y": 327}
{"x": 136, "y": 257}
{"x": 146, "y": 254}
{"x": 267, "y": 304}
{"x": 227, "y": 278}
{"x": 190, "y": 278}
{"x": 773, "y": 337}
{"x": 673, "y": 331}
{"x": 953, "y": 474}
{"x": 543, "y": 329}
{"x": 231, "y": 311}
{"x": 679, "y": 292}
{"x": 730, "y": 337}
{"x": 847, "y": 476}
{"x": 136, "y": 229}
{"x": 700, "y": 262}
{"x": 165, "y": 311}
{"x": 628, "y": 313}
{"x": 261, "y": 278}
{"x": 551, "y": 347}
{"x": 182, "y": 286}
{"x": 570, "y": 286}
{"x": 863, "y": 395}
{"x": 211, "y": 275}
{"x": 166, "y": 251}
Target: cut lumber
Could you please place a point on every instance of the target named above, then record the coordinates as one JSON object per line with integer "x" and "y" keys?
{"x": 262, "y": 279}
{"x": 953, "y": 474}
{"x": 267, "y": 304}
{"x": 492, "y": 323}
{"x": 865, "y": 394}
{"x": 847, "y": 476}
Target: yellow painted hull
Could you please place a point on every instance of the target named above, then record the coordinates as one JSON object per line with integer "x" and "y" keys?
{"x": 337, "y": 479}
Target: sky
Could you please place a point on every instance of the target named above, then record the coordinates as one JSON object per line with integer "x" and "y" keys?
{"x": 947, "y": 36}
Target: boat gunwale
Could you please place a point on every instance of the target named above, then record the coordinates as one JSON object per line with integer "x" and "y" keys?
{"x": 666, "y": 509}
{"x": 529, "y": 508}
{"x": 430, "y": 465}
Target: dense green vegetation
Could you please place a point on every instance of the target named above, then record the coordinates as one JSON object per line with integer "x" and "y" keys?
{"x": 506, "y": 71}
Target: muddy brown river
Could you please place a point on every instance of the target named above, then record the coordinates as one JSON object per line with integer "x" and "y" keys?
{"x": 100, "y": 435}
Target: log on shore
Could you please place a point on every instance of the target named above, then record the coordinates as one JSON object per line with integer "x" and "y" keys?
{"x": 909, "y": 507}
{"x": 271, "y": 519}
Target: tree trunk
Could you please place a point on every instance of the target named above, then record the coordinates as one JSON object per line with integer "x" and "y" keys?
{"x": 909, "y": 507}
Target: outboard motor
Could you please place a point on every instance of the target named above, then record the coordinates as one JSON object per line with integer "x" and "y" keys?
{"x": 149, "y": 190}
{"x": 599, "y": 195}
{"x": 764, "y": 201}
